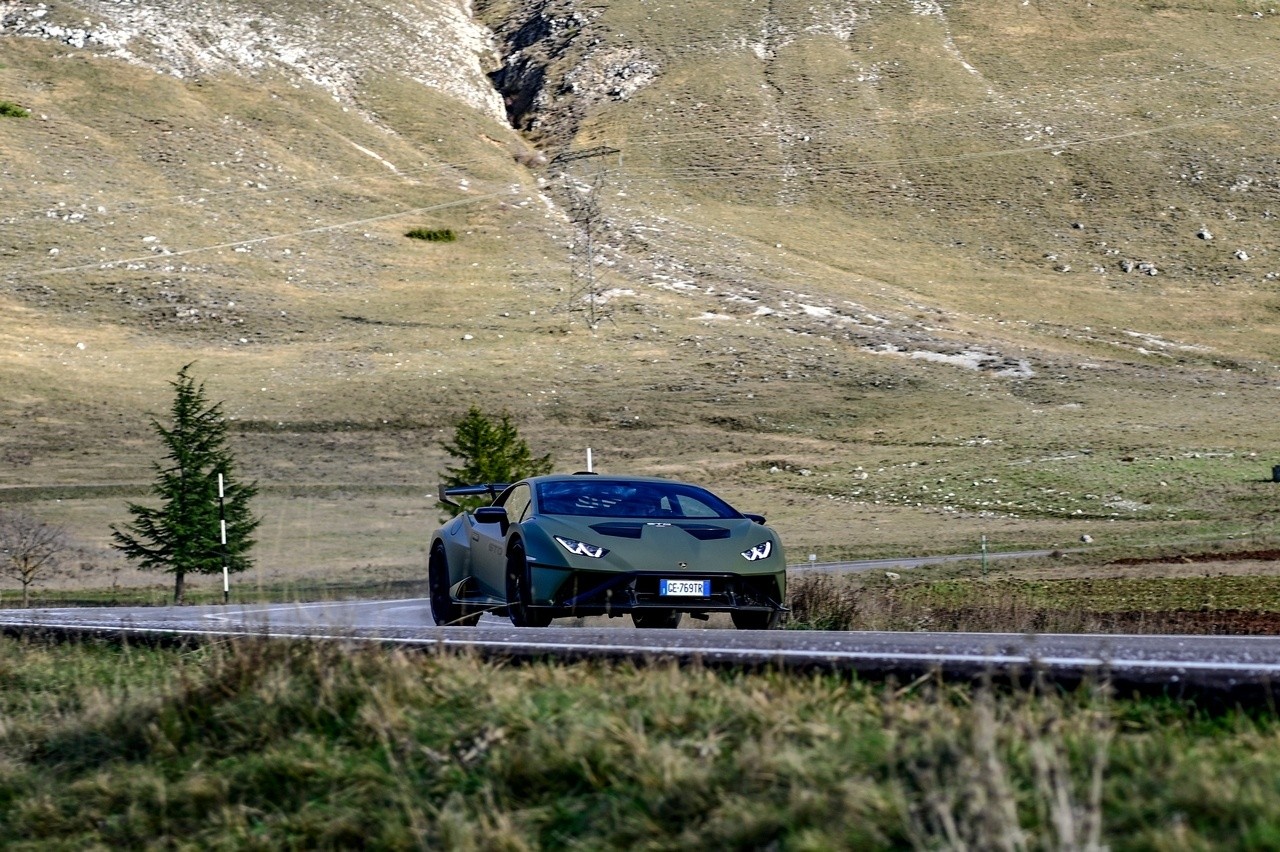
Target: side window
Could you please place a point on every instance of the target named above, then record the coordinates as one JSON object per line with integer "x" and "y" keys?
{"x": 516, "y": 501}
{"x": 691, "y": 507}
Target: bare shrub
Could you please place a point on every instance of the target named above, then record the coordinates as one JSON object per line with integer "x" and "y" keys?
{"x": 819, "y": 602}
{"x": 827, "y": 602}
{"x": 29, "y": 548}
{"x": 832, "y": 602}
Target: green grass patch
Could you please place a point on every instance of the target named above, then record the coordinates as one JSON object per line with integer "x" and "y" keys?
{"x": 292, "y": 745}
{"x": 1188, "y": 604}
{"x": 1144, "y": 594}
{"x": 8, "y": 109}
{"x": 432, "y": 235}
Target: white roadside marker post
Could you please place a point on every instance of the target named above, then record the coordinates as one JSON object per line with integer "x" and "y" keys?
{"x": 222, "y": 523}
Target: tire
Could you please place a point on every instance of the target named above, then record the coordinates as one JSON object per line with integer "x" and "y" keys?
{"x": 661, "y": 618}
{"x": 444, "y": 609}
{"x": 755, "y": 620}
{"x": 518, "y": 608}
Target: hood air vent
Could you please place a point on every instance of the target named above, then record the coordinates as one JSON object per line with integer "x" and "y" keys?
{"x": 635, "y": 529}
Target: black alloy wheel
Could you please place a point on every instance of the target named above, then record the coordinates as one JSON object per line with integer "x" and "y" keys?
{"x": 444, "y": 609}
{"x": 518, "y": 607}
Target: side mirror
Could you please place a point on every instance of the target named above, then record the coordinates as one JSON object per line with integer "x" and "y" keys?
{"x": 757, "y": 519}
{"x": 492, "y": 515}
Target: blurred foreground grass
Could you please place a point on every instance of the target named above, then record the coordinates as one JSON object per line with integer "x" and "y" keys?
{"x": 254, "y": 744}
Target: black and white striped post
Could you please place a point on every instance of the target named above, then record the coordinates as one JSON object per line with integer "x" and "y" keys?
{"x": 222, "y": 523}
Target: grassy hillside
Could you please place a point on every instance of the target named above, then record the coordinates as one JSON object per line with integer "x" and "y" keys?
{"x": 879, "y": 270}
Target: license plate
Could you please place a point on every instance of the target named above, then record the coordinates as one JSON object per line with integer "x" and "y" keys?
{"x": 684, "y": 588}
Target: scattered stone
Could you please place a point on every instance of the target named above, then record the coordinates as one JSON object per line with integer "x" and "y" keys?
{"x": 191, "y": 40}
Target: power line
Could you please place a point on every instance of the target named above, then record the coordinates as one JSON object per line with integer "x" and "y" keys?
{"x": 199, "y": 194}
{"x": 265, "y": 239}
{"x": 814, "y": 171}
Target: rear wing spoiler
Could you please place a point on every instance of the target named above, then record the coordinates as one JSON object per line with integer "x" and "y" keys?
{"x": 490, "y": 489}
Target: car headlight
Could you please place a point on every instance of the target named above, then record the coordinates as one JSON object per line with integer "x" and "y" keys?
{"x": 581, "y": 548}
{"x": 760, "y": 551}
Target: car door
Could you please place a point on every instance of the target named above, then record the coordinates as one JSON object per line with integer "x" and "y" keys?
{"x": 489, "y": 540}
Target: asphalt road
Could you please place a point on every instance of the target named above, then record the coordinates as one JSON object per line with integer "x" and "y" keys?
{"x": 1218, "y": 664}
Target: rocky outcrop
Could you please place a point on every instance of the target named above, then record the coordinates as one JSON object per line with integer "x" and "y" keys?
{"x": 333, "y": 45}
{"x": 557, "y": 67}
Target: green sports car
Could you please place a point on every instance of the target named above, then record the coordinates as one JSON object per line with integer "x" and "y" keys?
{"x": 589, "y": 544}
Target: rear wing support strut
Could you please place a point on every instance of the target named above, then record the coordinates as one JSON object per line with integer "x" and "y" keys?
{"x": 489, "y": 489}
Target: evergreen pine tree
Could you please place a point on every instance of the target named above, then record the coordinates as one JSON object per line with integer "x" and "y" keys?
{"x": 491, "y": 452}
{"x": 183, "y": 536}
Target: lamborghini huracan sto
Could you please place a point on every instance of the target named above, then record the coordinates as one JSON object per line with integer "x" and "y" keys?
{"x": 590, "y": 544}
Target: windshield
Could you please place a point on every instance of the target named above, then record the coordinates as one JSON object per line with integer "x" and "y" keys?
{"x": 609, "y": 498}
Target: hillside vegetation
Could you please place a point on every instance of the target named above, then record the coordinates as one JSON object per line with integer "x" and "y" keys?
{"x": 268, "y": 745}
{"x": 897, "y": 273}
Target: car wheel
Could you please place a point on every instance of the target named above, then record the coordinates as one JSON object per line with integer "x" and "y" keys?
{"x": 755, "y": 620}
{"x": 518, "y": 608}
{"x": 444, "y": 609}
{"x": 668, "y": 618}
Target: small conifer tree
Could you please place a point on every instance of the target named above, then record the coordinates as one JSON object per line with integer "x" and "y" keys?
{"x": 491, "y": 452}
{"x": 183, "y": 536}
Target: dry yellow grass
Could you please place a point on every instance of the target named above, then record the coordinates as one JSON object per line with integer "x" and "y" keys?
{"x": 836, "y": 243}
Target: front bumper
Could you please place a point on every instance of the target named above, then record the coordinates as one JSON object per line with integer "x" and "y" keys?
{"x": 584, "y": 593}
